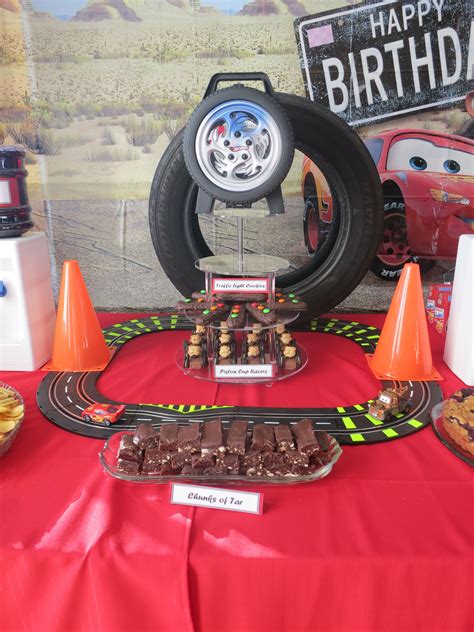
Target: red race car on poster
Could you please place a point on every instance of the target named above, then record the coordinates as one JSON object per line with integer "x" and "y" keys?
{"x": 428, "y": 182}
{"x": 103, "y": 413}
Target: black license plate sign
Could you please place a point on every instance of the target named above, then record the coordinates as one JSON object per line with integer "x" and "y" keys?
{"x": 385, "y": 59}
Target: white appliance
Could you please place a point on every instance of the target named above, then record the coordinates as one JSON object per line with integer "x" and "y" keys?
{"x": 459, "y": 346}
{"x": 27, "y": 313}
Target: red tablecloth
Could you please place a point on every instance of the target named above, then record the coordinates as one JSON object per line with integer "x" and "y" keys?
{"x": 383, "y": 543}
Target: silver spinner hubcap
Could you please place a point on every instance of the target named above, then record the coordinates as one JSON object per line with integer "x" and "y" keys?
{"x": 238, "y": 145}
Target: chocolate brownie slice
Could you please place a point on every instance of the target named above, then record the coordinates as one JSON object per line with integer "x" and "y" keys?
{"x": 128, "y": 467}
{"x": 169, "y": 437}
{"x": 284, "y": 438}
{"x": 128, "y": 450}
{"x": 189, "y": 438}
{"x": 305, "y": 437}
{"x": 263, "y": 438}
{"x": 237, "y": 437}
{"x": 211, "y": 440}
{"x": 145, "y": 435}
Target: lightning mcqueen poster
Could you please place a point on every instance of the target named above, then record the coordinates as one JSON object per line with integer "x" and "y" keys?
{"x": 378, "y": 61}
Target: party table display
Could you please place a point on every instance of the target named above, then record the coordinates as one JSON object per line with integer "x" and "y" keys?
{"x": 208, "y": 451}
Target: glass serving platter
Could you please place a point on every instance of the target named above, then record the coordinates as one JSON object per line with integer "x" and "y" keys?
{"x": 248, "y": 264}
{"x": 444, "y": 437}
{"x": 108, "y": 458}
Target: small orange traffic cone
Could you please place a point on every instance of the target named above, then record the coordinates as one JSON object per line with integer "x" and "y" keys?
{"x": 79, "y": 343}
{"x": 403, "y": 351}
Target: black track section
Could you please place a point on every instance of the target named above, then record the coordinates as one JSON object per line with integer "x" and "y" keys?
{"x": 61, "y": 397}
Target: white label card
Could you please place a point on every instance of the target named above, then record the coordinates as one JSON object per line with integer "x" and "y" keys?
{"x": 216, "y": 498}
{"x": 5, "y": 196}
{"x": 240, "y": 285}
{"x": 243, "y": 371}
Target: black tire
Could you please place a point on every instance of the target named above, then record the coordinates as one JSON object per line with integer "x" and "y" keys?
{"x": 239, "y": 93}
{"x": 381, "y": 266}
{"x": 87, "y": 418}
{"x": 345, "y": 162}
{"x": 106, "y": 422}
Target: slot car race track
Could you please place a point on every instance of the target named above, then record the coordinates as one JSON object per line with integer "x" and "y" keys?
{"x": 63, "y": 396}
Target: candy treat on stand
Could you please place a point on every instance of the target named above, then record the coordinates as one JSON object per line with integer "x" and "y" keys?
{"x": 195, "y": 355}
{"x": 262, "y": 313}
{"x": 403, "y": 351}
{"x": 269, "y": 453}
{"x": 225, "y": 352}
{"x": 288, "y": 355}
{"x": 79, "y": 343}
{"x": 459, "y": 346}
{"x": 288, "y": 302}
{"x": 222, "y": 336}
{"x": 253, "y": 349}
{"x": 237, "y": 317}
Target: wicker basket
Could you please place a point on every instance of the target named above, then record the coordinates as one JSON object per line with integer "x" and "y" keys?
{"x": 7, "y": 438}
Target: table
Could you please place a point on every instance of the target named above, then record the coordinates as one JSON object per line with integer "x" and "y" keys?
{"x": 383, "y": 543}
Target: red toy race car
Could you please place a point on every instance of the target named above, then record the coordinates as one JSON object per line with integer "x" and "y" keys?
{"x": 428, "y": 182}
{"x": 103, "y": 413}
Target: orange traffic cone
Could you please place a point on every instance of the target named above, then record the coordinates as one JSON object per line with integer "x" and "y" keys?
{"x": 79, "y": 343}
{"x": 403, "y": 351}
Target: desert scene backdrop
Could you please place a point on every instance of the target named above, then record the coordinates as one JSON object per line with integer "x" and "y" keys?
{"x": 95, "y": 90}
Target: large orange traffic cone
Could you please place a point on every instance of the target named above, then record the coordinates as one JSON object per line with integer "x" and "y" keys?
{"x": 79, "y": 343}
{"x": 403, "y": 351}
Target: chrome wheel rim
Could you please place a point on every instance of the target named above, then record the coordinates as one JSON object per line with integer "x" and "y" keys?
{"x": 238, "y": 145}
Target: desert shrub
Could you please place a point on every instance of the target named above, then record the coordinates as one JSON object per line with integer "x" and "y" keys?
{"x": 52, "y": 115}
{"x": 89, "y": 110}
{"x": 149, "y": 103}
{"x": 108, "y": 137}
{"x": 143, "y": 132}
{"x": 103, "y": 154}
{"x": 114, "y": 109}
{"x": 40, "y": 141}
{"x": 172, "y": 126}
{"x": 72, "y": 140}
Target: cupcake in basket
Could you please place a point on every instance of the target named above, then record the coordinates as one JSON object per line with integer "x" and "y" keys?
{"x": 12, "y": 411}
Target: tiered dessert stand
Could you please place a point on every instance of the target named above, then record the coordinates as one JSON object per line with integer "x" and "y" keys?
{"x": 241, "y": 273}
